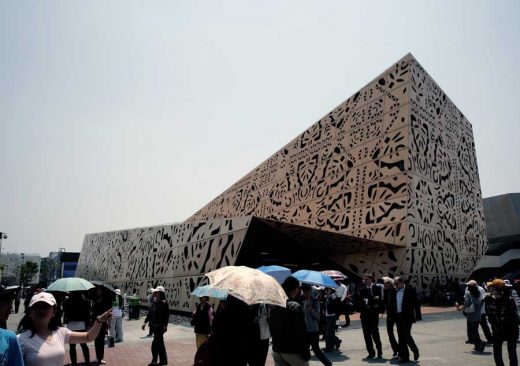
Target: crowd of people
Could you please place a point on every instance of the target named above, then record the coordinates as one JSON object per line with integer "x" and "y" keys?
{"x": 497, "y": 303}
{"x": 237, "y": 334}
{"x": 240, "y": 334}
{"x": 50, "y": 322}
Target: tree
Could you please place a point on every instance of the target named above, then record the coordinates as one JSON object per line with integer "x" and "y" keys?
{"x": 25, "y": 272}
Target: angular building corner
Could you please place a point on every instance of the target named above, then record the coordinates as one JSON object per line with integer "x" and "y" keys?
{"x": 386, "y": 183}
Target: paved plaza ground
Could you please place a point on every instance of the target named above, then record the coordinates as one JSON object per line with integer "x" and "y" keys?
{"x": 440, "y": 338}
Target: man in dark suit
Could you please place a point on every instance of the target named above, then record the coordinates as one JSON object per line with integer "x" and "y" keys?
{"x": 404, "y": 307}
{"x": 370, "y": 305}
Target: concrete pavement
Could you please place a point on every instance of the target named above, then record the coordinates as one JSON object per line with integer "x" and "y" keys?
{"x": 440, "y": 338}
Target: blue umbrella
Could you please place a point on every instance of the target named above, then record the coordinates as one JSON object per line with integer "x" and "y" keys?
{"x": 210, "y": 291}
{"x": 278, "y": 272}
{"x": 314, "y": 278}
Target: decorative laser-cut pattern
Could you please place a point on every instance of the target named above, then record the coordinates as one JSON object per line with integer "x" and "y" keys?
{"x": 446, "y": 222}
{"x": 167, "y": 255}
{"x": 394, "y": 164}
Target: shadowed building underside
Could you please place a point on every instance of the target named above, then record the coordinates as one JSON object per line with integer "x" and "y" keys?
{"x": 386, "y": 183}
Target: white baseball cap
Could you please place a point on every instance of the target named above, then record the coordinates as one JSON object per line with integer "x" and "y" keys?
{"x": 43, "y": 297}
{"x": 159, "y": 289}
{"x": 118, "y": 291}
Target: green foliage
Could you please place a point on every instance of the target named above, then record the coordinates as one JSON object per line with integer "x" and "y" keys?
{"x": 25, "y": 272}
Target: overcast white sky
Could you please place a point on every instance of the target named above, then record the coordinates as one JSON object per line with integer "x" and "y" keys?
{"x": 120, "y": 114}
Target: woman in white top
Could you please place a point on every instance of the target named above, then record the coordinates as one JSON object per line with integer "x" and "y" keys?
{"x": 42, "y": 339}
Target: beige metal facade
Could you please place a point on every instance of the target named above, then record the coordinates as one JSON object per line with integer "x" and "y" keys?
{"x": 394, "y": 164}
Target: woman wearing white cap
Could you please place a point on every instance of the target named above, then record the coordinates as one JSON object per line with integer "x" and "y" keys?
{"x": 158, "y": 317}
{"x": 41, "y": 336}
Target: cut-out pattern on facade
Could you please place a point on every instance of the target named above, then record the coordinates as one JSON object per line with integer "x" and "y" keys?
{"x": 175, "y": 256}
{"x": 394, "y": 163}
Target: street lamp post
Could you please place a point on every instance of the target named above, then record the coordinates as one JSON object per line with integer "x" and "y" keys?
{"x": 21, "y": 269}
{"x": 2, "y": 236}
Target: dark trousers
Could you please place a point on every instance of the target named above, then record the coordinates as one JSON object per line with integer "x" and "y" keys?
{"x": 314, "y": 339}
{"x": 370, "y": 325}
{"x": 390, "y": 322}
{"x": 485, "y": 327}
{"x": 331, "y": 339}
{"x": 258, "y": 354}
{"x": 158, "y": 348}
{"x": 99, "y": 343}
{"x": 473, "y": 335}
{"x": 511, "y": 350}
{"x": 404, "y": 332}
{"x": 74, "y": 357}
{"x": 16, "y": 306}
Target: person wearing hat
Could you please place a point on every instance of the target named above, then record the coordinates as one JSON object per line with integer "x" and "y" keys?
{"x": 288, "y": 329}
{"x": 10, "y": 351}
{"x": 158, "y": 317}
{"x": 502, "y": 314}
{"x": 42, "y": 338}
{"x": 116, "y": 323}
{"x": 201, "y": 319}
{"x": 472, "y": 308}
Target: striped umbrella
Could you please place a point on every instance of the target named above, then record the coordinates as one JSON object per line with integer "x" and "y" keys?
{"x": 335, "y": 275}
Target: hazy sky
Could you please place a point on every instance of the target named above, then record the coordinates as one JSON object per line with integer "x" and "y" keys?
{"x": 120, "y": 114}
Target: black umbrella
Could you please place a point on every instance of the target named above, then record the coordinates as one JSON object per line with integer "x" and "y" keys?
{"x": 7, "y": 292}
{"x": 104, "y": 285}
{"x": 108, "y": 291}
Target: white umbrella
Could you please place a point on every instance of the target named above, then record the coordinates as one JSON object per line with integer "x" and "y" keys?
{"x": 248, "y": 285}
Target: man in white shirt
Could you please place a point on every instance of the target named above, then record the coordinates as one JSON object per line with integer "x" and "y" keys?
{"x": 404, "y": 307}
{"x": 342, "y": 295}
